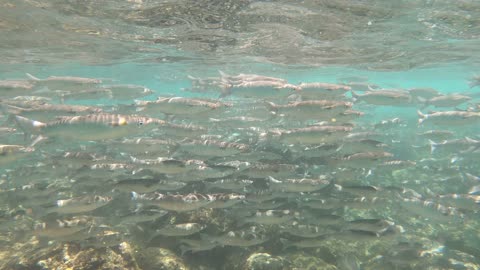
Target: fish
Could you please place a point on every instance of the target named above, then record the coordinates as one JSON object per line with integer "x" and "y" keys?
{"x": 369, "y": 225}
{"x": 436, "y": 135}
{"x": 419, "y": 94}
{"x": 13, "y": 88}
{"x": 362, "y": 86}
{"x": 165, "y": 165}
{"x": 80, "y": 204}
{"x": 384, "y": 97}
{"x": 64, "y": 83}
{"x": 183, "y": 229}
{"x": 143, "y": 147}
{"x": 259, "y": 89}
{"x": 305, "y": 230}
{"x": 140, "y": 216}
{"x": 90, "y": 127}
{"x": 222, "y": 200}
{"x": 66, "y": 229}
{"x": 179, "y": 106}
{"x": 361, "y": 159}
{"x": 305, "y": 243}
{"x": 147, "y": 185}
{"x": 269, "y": 217}
{"x": 455, "y": 146}
{"x": 351, "y": 146}
{"x": 50, "y": 112}
{"x": 319, "y": 90}
{"x": 171, "y": 202}
{"x": 211, "y": 148}
{"x": 315, "y": 134}
{"x": 194, "y": 245}
{"x": 298, "y": 185}
{"x": 311, "y": 109}
{"x": 451, "y": 100}
{"x": 11, "y": 153}
{"x": 251, "y": 236}
{"x": 248, "y": 77}
{"x": 127, "y": 91}
{"x": 89, "y": 94}
{"x": 229, "y": 184}
{"x": 449, "y": 118}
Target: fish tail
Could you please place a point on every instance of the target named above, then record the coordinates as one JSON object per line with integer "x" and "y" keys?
{"x": 433, "y": 146}
{"x": 422, "y": 116}
{"x": 271, "y": 106}
{"x": 223, "y": 74}
{"x": 31, "y": 77}
{"x": 285, "y": 243}
{"x": 354, "y": 95}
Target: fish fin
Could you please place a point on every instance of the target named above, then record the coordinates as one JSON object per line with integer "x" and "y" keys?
{"x": 31, "y": 77}
{"x": 285, "y": 243}
{"x": 184, "y": 249}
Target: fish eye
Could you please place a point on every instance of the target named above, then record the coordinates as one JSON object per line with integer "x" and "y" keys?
{"x": 140, "y": 123}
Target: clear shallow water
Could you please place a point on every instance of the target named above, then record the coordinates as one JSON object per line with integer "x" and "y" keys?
{"x": 157, "y": 45}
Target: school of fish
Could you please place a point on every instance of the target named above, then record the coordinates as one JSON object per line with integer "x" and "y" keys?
{"x": 244, "y": 162}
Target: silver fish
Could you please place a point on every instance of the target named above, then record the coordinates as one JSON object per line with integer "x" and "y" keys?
{"x": 449, "y": 118}
{"x": 436, "y": 134}
{"x": 385, "y": 97}
{"x": 319, "y": 90}
{"x": 259, "y": 89}
{"x": 225, "y": 200}
{"x": 90, "y": 127}
{"x": 270, "y": 217}
{"x": 13, "y": 88}
{"x": 179, "y": 106}
{"x": 315, "y": 134}
{"x": 193, "y": 246}
{"x": 61, "y": 83}
{"x": 80, "y": 204}
{"x": 451, "y": 100}
{"x": 312, "y": 109}
{"x": 243, "y": 238}
{"x": 298, "y": 185}
{"x": 211, "y": 148}
{"x": 229, "y": 184}
{"x": 305, "y": 230}
{"x": 183, "y": 229}
{"x": 147, "y": 185}
{"x": 419, "y": 94}
{"x": 177, "y": 203}
{"x": 127, "y": 91}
